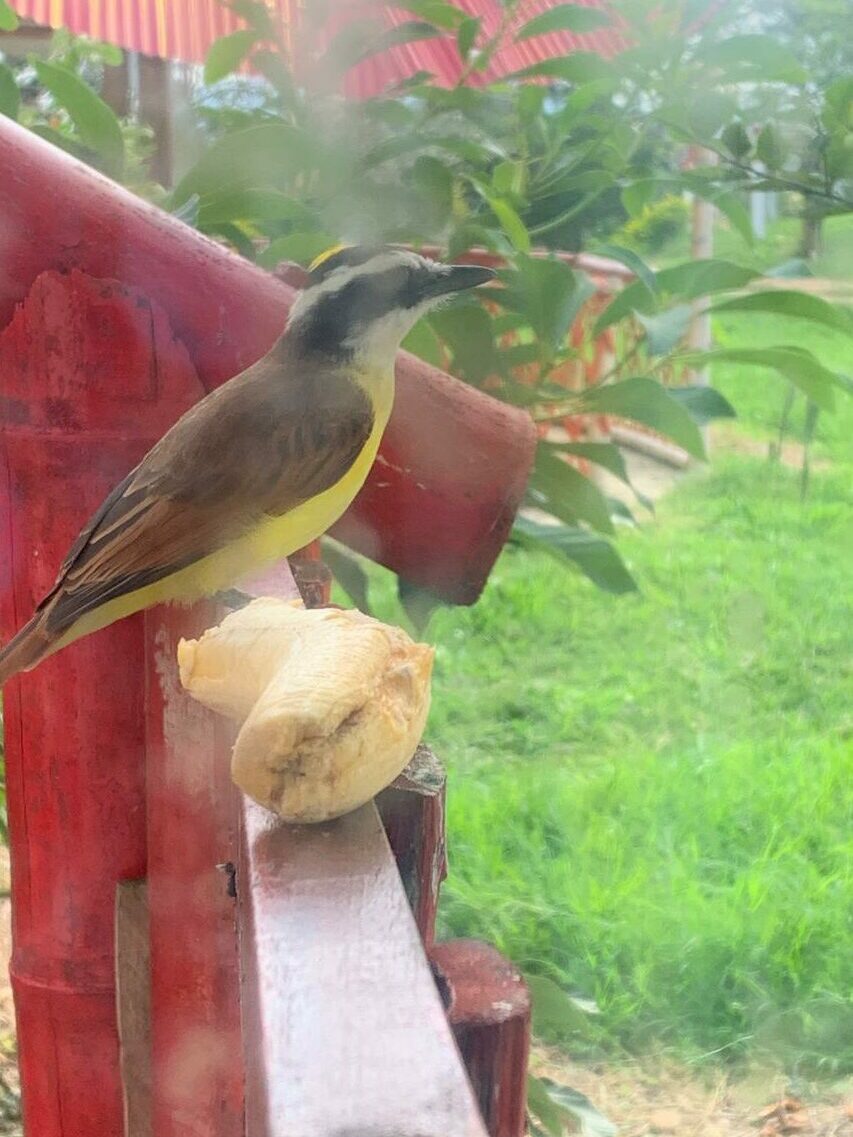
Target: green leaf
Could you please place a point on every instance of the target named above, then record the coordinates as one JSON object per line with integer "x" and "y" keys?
{"x": 358, "y": 42}
{"x": 643, "y": 400}
{"x": 553, "y": 1010}
{"x": 736, "y": 140}
{"x": 634, "y": 298}
{"x": 349, "y": 573}
{"x": 423, "y": 342}
{"x": 469, "y": 29}
{"x": 632, "y": 261}
{"x": 564, "y": 18}
{"x": 796, "y": 365}
{"x": 255, "y": 156}
{"x": 418, "y": 603}
{"x": 582, "y": 99}
{"x": 252, "y": 205}
{"x": 10, "y": 96}
{"x": 9, "y": 20}
{"x": 96, "y": 123}
{"x": 710, "y": 111}
{"x": 256, "y": 14}
{"x": 666, "y": 329}
{"x": 563, "y": 491}
{"x": 273, "y": 68}
{"x": 548, "y": 293}
{"x": 603, "y": 454}
{"x": 692, "y": 279}
{"x": 508, "y": 177}
{"x": 787, "y": 302}
{"x": 594, "y": 556}
{"x": 437, "y": 12}
{"x": 301, "y": 247}
{"x": 732, "y": 208}
{"x": 637, "y": 195}
{"x": 791, "y": 269}
{"x": 703, "y": 404}
{"x": 467, "y": 331}
{"x": 579, "y": 67}
{"x": 69, "y": 145}
{"x": 578, "y": 1105}
{"x": 753, "y": 57}
{"x": 226, "y": 54}
{"x": 511, "y": 223}
{"x": 768, "y": 148}
{"x": 550, "y": 1115}
{"x": 188, "y": 212}
{"x": 236, "y": 236}
{"x": 435, "y": 180}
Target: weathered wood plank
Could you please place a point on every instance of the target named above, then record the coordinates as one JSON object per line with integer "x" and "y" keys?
{"x": 412, "y": 812}
{"x": 344, "y": 1031}
{"x": 489, "y": 1010}
{"x": 133, "y": 998}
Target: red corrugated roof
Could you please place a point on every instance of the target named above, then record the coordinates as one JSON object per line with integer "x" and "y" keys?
{"x": 440, "y": 56}
{"x": 185, "y": 29}
{"x": 171, "y": 29}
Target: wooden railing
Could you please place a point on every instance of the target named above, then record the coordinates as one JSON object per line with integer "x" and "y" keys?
{"x": 286, "y": 979}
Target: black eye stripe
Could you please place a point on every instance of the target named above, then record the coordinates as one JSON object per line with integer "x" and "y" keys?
{"x": 336, "y": 315}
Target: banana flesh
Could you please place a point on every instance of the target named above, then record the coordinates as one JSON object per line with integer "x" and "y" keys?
{"x": 332, "y": 703}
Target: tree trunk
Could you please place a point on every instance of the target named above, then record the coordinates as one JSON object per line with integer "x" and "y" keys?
{"x": 810, "y": 237}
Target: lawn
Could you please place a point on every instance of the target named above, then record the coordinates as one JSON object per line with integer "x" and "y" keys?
{"x": 777, "y": 246}
{"x": 650, "y": 797}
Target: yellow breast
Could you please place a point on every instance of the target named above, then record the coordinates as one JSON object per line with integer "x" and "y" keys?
{"x": 273, "y": 539}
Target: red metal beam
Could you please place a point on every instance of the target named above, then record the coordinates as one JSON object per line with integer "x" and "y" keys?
{"x": 454, "y": 465}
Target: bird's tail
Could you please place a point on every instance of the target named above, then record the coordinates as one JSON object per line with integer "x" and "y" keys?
{"x": 29, "y": 647}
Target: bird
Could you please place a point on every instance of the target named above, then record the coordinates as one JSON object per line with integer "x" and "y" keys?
{"x": 261, "y": 466}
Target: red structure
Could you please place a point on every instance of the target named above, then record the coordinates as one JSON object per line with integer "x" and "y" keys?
{"x": 115, "y": 319}
{"x": 185, "y": 29}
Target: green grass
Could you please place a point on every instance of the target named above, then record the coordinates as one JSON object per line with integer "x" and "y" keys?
{"x": 779, "y": 245}
{"x": 650, "y": 797}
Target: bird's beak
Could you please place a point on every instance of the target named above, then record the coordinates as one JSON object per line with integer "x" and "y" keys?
{"x": 455, "y": 278}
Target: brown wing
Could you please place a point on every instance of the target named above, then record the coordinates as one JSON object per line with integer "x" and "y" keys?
{"x": 256, "y": 447}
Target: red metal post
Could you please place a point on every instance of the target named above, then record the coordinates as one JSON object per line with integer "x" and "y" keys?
{"x": 193, "y": 808}
{"x": 91, "y": 377}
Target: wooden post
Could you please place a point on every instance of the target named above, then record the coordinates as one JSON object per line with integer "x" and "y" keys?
{"x": 701, "y": 247}
{"x": 155, "y": 109}
{"x": 489, "y": 1010}
{"x": 197, "y": 1076}
{"x": 90, "y": 377}
{"x": 412, "y": 812}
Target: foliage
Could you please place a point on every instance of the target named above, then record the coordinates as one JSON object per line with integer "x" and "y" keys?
{"x": 508, "y": 165}
{"x": 58, "y": 98}
{"x": 651, "y": 800}
{"x": 656, "y": 224}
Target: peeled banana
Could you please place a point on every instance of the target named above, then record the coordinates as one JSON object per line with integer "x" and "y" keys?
{"x": 332, "y": 703}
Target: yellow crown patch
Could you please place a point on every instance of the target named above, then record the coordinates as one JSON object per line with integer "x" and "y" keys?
{"x": 326, "y": 255}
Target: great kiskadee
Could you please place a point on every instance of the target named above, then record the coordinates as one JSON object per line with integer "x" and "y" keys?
{"x": 261, "y": 466}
